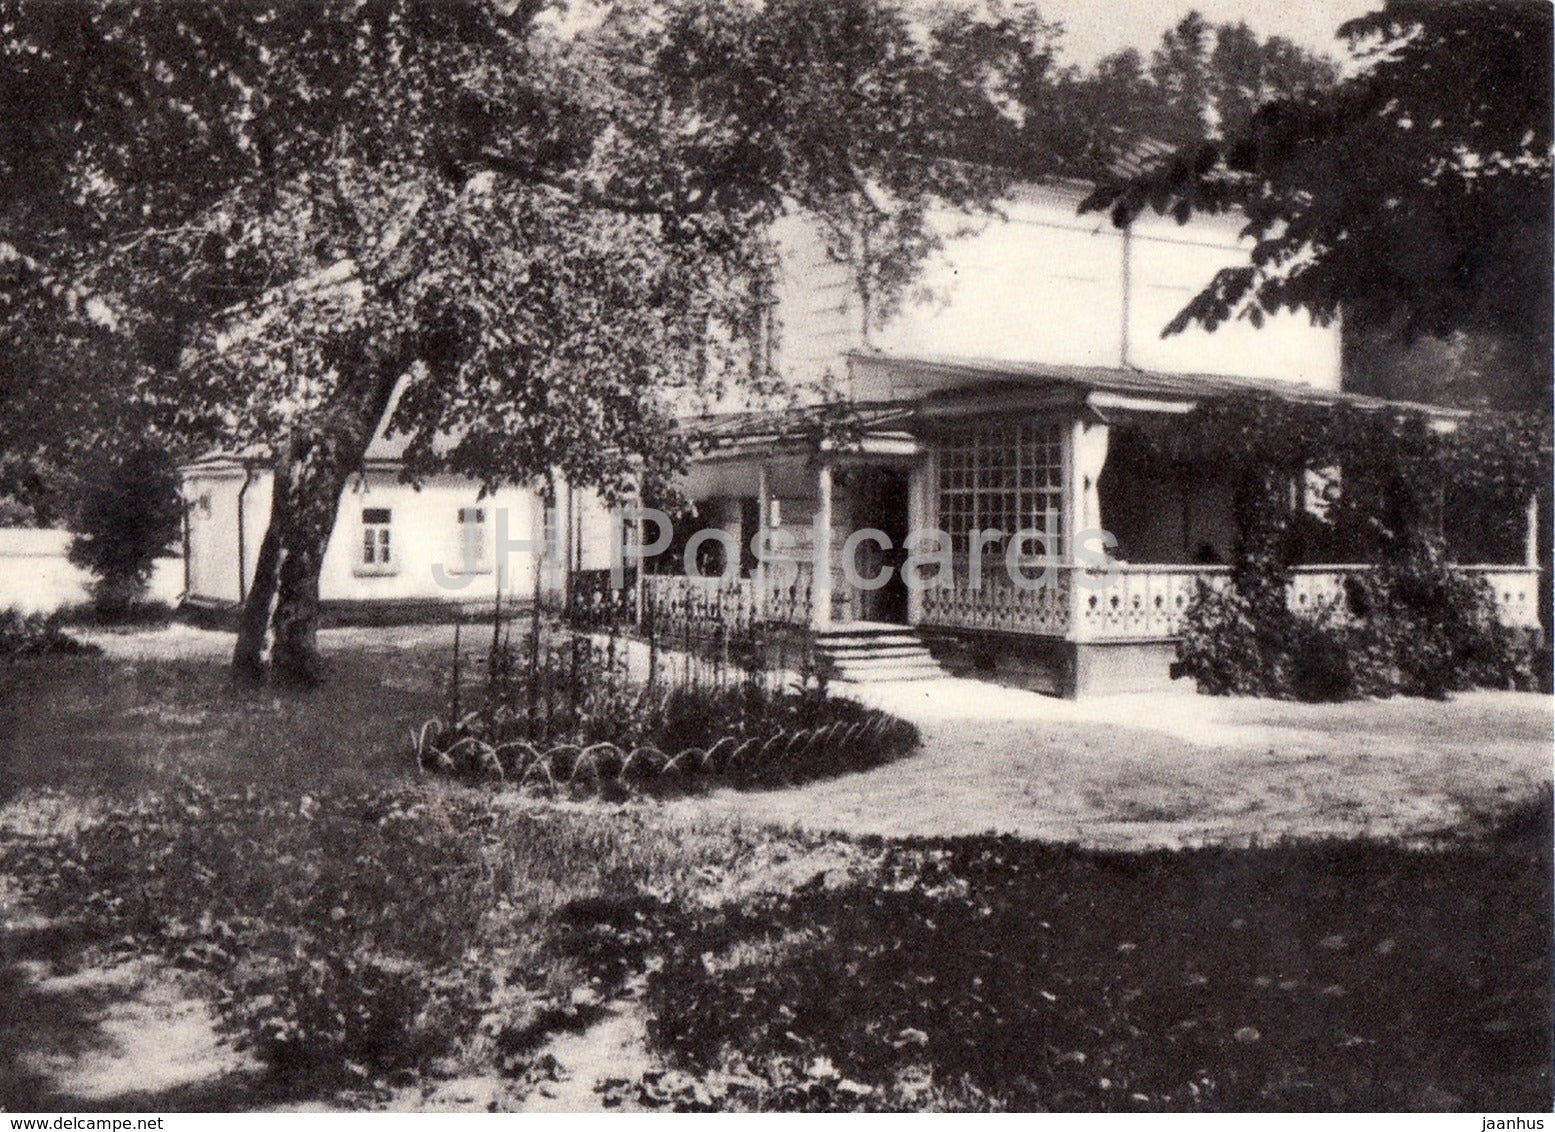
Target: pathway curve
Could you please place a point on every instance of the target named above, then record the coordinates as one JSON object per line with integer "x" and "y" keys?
{"x": 1173, "y": 768}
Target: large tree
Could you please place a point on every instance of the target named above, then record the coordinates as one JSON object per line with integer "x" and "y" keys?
{"x": 1414, "y": 196}
{"x": 280, "y": 220}
{"x": 1202, "y": 81}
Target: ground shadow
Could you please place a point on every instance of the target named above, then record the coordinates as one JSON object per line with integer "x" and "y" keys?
{"x": 52, "y": 1024}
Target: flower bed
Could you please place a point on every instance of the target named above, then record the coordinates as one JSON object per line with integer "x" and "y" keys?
{"x": 568, "y": 715}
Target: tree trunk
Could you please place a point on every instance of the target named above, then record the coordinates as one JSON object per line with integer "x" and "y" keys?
{"x": 248, "y": 656}
{"x": 310, "y": 475}
{"x": 320, "y": 473}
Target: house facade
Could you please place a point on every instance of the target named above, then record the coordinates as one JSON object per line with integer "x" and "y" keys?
{"x": 1011, "y": 396}
{"x": 398, "y": 550}
{"x": 1007, "y": 393}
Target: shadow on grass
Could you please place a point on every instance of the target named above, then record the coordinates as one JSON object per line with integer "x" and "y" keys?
{"x": 107, "y": 727}
{"x": 47, "y": 1031}
{"x": 1325, "y": 977}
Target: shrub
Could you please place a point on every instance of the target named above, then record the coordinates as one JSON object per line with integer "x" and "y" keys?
{"x": 37, "y": 634}
{"x": 1233, "y": 646}
{"x": 1219, "y": 648}
{"x": 1427, "y": 629}
{"x": 1414, "y": 627}
{"x": 129, "y": 514}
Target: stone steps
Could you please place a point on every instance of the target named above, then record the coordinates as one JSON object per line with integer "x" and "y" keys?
{"x": 867, "y": 654}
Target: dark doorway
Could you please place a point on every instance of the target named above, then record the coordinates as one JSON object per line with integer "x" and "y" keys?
{"x": 881, "y": 502}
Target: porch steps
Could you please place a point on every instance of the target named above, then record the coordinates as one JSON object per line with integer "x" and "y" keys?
{"x": 867, "y": 653}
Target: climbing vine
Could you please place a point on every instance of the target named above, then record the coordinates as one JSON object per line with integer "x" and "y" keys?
{"x": 1396, "y": 480}
{"x": 1397, "y": 489}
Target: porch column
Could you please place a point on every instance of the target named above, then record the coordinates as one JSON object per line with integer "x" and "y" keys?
{"x": 1087, "y": 458}
{"x": 820, "y": 569}
{"x": 919, "y": 477}
{"x": 1082, "y": 510}
{"x": 1531, "y": 538}
{"x": 763, "y": 517}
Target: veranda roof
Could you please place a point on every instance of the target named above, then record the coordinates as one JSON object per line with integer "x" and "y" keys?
{"x": 971, "y": 375}
{"x": 965, "y": 386}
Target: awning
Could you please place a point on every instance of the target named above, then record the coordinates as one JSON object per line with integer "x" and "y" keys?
{"x": 963, "y": 385}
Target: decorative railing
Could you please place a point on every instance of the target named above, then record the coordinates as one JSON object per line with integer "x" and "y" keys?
{"x": 1516, "y": 589}
{"x": 595, "y": 601}
{"x": 997, "y": 603}
{"x": 677, "y": 603}
{"x": 1149, "y": 602}
{"x": 1317, "y": 588}
{"x": 787, "y": 601}
{"x": 1138, "y": 601}
{"x": 1132, "y": 603}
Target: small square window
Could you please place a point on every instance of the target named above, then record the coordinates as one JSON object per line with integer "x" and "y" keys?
{"x": 376, "y": 555}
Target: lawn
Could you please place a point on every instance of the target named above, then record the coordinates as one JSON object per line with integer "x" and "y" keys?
{"x": 360, "y": 935}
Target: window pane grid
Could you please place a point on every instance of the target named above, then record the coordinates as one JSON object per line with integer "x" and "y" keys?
{"x": 375, "y": 536}
{"x": 1008, "y": 477}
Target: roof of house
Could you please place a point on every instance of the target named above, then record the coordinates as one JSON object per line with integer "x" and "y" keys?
{"x": 989, "y": 379}
{"x": 802, "y": 420}
{"x": 1137, "y": 155}
{"x": 987, "y": 374}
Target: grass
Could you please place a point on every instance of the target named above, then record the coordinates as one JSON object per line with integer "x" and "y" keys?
{"x": 1323, "y": 976}
{"x": 111, "y": 728}
{"x": 358, "y": 926}
{"x": 352, "y": 938}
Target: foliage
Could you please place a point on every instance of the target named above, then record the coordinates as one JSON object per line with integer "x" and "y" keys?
{"x": 1230, "y": 649}
{"x": 994, "y": 974}
{"x": 250, "y": 222}
{"x": 1416, "y": 628}
{"x": 569, "y": 714}
{"x": 351, "y": 937}
{"x": 1202, "y": 81}
{"x": 129, "y": 516}
{"x": 1404, "y": 479}
{"x": 528, "y": 245}
{"x": 37, "y": 634}
{"x": 1427, "y": 629}
{"x": 1407, "y": 497}
{"x": 1449, "y": 230}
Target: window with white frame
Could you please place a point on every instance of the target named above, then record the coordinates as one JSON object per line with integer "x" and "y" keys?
{"x": 473, "y": 554}
{"x": 1007, "y": 476}
{"x": 377, "y": 550}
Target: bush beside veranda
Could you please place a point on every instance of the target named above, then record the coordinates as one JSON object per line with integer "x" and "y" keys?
{"x": 1416, "y": 627}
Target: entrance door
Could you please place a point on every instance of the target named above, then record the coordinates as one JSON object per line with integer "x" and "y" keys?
{"x": 882, "y": 504}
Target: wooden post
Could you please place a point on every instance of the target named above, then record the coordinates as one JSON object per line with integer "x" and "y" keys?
{"x": 763, "y": 490}
{"x": 1085, "y": 455}
{"x": 1087, "y": 458}
{"x": 920, "y": 479}
{"x": 638, "y": 587}
{"x": 820, "y": 569}
{"x": 569, "y": 565}
{"x": 1531, "y": 539}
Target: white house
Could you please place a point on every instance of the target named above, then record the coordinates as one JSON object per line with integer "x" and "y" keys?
{"x": 397, "y": 551}
{"x": 995, "y": 397}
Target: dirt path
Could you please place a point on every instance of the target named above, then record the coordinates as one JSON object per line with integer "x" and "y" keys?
{"x": 134, "y": 1036}
{"x": 1172, "y": 769}
{"x": 127, "y": 1036}
{"x": 614, "y": 1048}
